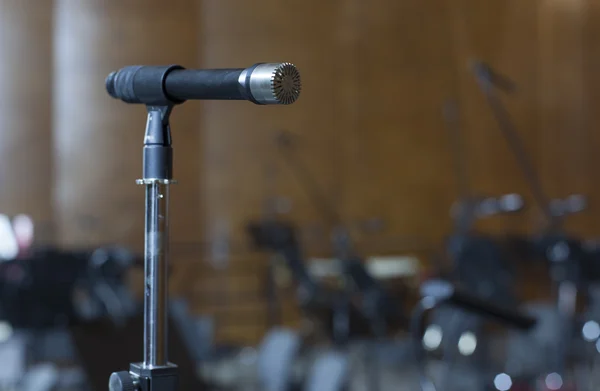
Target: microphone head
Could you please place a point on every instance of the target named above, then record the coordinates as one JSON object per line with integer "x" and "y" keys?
{"x": 273, "y": 83}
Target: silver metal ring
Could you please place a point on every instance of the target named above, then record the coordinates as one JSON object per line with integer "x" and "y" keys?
{"x": 150, "y": 181}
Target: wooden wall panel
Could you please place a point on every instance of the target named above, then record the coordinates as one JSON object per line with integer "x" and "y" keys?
{"x": 504, "y": 35}
{"x": 348, "y": 28}
{"x": 382, "y": 148}
{"x": 368, "y": 125}
{"x": 244, "y": 165}
{"x": 238, "y": 136}
{"x": 565, "y": 150}
{"x": 404, "y": 80}
{"x": 591, "y": 78}
{"x": 25, "y": 109}
{"x": 98, "y": 141}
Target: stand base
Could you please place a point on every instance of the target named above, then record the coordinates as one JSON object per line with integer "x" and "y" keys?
{"x": 140, "y": 378}
{"x": 155, "y": 379}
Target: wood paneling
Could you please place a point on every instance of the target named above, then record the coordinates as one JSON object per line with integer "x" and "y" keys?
{"x": 504, "y": 35}
{"x": 368, "y": 125}
{"x": 25, "y": 109}
{"x": 98, "y": 140}
{"x": 565, "y": 150}
{"x": 591, "y": 78}
{"x": 376, "y": 141}
{"x": 243, "y": 165}
{"x": 403, "y": 83}
{"x": 239, "y": 137}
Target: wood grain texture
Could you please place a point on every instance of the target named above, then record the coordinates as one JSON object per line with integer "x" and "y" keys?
{"x": 591, "y": 78}
{"x": 368, "y": 126}
{"x": 98, "y": 140}
{"x": 504, "y": 35}
{"x": 565, "y": 149}
{"x": 379, "y": 146}
{"x": 25, "y": 109}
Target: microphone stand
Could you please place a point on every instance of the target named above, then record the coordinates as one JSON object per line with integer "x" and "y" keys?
{"x": 487, "y": 80}
{"x": 564, "y": 265}
{"x": 160, "y": 88}
{"x": 155, "y": 372}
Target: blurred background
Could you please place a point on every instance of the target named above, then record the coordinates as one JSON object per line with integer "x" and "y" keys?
{"x": 367, "y": 138}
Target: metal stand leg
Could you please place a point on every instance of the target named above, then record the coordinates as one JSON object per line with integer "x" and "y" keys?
{"x": 156, "y": 279}
{"x": 418, "y": 325}
{"x": 155, "y": 372}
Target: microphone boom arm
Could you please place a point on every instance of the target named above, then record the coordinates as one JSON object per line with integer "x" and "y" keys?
{"x": 508, "y": 129}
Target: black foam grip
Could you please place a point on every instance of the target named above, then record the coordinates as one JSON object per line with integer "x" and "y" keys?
{"x": 119, "y": 84}
{"x": 142, "y": 84}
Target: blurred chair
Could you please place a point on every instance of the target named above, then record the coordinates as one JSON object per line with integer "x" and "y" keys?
{"x": 329, "y": 372}
{"x": 41, "y": 377}
{"x": 276, "y": 357}
{"x": 196, "y": 331}
{"x": 532, "y": 352}
{"x": 13, "y": 356}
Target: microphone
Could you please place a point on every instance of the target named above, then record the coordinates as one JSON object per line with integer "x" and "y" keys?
{"x": 263, "y": 84}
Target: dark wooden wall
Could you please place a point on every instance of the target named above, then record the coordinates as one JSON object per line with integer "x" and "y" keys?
{"x": 368, "y": 124}
{"x": 26, "y": 112}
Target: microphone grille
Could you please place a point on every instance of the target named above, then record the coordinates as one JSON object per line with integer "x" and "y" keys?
{"x": 285, "y": 83}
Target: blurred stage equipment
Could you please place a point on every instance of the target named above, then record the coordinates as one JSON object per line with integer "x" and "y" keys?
{"x": 47, "y": 296}
{"x": 61, "y": 288}
{"x": 488, "y": 80}
{"x": 382, "y": 311}
{"x": 359, "y": 306}
{"x": 572, "y": 265}
{"x": 478, "y": 262}
{"x": 160, "y": 88}
{"x": 74, "y": 308}
{"x": 333, "y": 307}
{"x": 438, "y": 293}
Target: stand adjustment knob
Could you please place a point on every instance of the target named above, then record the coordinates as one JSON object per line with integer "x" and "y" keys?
{"x": 122, "y": 381}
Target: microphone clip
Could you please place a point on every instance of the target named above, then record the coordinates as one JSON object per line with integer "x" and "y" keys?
{"x": 158, "y": 154}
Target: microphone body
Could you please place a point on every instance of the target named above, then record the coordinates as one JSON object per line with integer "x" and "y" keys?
{"x": 265, "y": 83}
